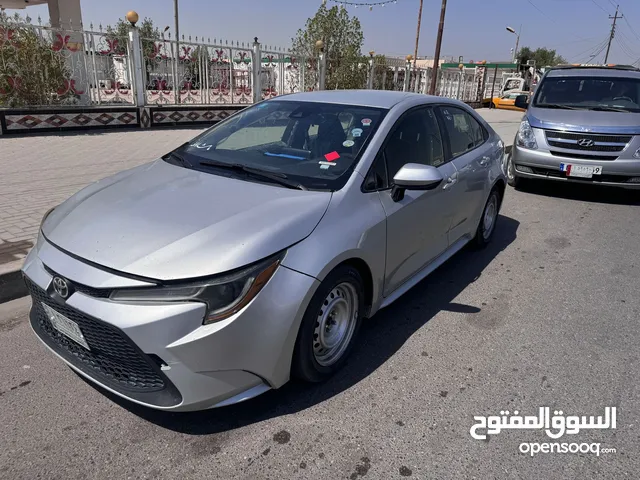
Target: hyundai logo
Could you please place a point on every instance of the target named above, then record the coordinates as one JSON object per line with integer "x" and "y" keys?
{"x": 61, "y": 287}
{"x": 586, "y": 142}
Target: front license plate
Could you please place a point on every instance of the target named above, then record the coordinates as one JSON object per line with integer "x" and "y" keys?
{"x": 67, "y": 327}
{"x": 582, "y": 171}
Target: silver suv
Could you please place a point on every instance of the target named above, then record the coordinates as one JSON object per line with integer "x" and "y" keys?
{"x": 583, "y": 125}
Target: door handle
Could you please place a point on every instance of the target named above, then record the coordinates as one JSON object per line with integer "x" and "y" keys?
{"x": 450, "y": 182}
{"x": 484, "y": 161}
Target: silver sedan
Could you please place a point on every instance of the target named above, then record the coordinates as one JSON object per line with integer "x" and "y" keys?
{"x": 252, "y": 254}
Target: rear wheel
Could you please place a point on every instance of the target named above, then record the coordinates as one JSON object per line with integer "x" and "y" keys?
{"x": 329, "y": 326}
{"x": 488, "y": 220}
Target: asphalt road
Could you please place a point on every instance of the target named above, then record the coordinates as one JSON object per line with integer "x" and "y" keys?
{"x": 547, "y": 315}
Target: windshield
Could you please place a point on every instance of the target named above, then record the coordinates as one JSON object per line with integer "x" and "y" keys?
{"x": 590, "y": 93}
{"x": 315, "y": 145}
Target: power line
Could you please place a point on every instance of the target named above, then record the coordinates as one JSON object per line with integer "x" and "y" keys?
{"x": 598, "y": 49}
{"x": 631, "y": 28}
{"x": 550, "y": 18}
{"x": 625, "y": 49}
{"x": 599, "y": 6}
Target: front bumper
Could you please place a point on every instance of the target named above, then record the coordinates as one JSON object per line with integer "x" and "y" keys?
{"x": 161, "y": 355}
{"x": 542, "y": 164}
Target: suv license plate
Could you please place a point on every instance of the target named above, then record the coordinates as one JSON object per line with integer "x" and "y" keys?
{"x": 67, "y": 327}
{"x": 582, "y": 171}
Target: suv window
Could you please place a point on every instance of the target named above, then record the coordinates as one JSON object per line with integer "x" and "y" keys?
{"x": 465, "y": 133}
{"x": 415, "y": 139}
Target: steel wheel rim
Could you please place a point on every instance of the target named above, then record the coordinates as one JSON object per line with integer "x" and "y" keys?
{"x": 335, "y": 324}
{"x": 489, "y": 218}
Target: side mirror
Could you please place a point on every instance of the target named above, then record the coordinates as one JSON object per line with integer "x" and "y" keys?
{"x": 415, "y": 176}
{"x": 522, "y": 101}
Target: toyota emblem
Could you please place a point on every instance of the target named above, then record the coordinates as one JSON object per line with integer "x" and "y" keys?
{"x": 61, "y": 287}
{"x": 586, "y": 142}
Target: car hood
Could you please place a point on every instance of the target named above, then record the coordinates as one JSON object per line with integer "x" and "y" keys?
{"x": 585, "y": 121}
{"x": 167, "y": 222}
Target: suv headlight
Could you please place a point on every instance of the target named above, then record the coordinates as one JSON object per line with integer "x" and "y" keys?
{"x": 525, "y": 137}
{"x": 224, "y": 295}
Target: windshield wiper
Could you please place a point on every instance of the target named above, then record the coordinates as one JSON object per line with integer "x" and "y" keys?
{"x": 558, "y": 105}
{"x": 606, "y": 108}
{"x": 279, "y": 178}
{"x": 179, "y": 158}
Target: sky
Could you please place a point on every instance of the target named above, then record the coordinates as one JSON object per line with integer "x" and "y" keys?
{"x": 474, "y": 29}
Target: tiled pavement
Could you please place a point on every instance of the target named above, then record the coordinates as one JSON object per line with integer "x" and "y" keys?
{"x": 38, "y": 172}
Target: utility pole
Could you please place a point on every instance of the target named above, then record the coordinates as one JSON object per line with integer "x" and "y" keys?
{"x": 415, "y": 53}
{"x": 613, "y": 32}
{"x": 436, "y": 59}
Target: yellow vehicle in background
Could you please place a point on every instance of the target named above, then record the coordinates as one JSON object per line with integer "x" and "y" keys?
{"x": 507, "y": 101}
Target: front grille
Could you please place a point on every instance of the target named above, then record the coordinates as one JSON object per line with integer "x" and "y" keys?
{"x": 89, "y": 291}
{"x": 598, "y": 143}
{"x": 601, "y": 143}
{"x": 113, "y": 359}
{"x": 584, "y": 156}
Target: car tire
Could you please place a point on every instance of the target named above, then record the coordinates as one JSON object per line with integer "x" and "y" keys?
{"x": 488, "y": 220}
{"x": 512, "y": 179}
{"x": 329, "y": 326}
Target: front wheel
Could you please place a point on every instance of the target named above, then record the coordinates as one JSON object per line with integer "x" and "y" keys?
{"x": 487, "y": 221}
{"x": 329, "y": 326}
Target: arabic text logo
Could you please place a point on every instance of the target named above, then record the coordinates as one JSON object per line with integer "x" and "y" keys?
{"x": 555, "y": 426}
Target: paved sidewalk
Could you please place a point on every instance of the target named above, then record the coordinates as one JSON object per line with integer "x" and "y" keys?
{"x": 39, "y": 172}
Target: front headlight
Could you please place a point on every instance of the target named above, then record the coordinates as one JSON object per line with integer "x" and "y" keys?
{"x": 224, "y": 295}
{"x": 525, "y": 137}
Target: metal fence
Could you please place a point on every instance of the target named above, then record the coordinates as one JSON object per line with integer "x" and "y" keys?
{"x": 43, "y": 66}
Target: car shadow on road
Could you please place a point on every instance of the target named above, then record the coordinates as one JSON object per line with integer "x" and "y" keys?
{"x": 380, "y": 338}
{"x": 582, "y": 193}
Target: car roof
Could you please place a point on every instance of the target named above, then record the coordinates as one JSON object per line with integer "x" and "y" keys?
{"x": 364, "y": 98}
{"x": 593, "y": 72}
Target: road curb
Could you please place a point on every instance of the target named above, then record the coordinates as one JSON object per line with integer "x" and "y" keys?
{"x": 12, "y": 285}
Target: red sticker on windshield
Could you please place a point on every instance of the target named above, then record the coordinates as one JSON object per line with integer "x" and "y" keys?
{"x": 332, "y": 156}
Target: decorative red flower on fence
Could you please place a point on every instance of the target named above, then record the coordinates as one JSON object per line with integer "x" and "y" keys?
{"x": 269, "y": 92}
{"x": 270, "y": 62}
{"x": 6, "y": 36}
{"x": 155, "y": 52}
{"x": 113, "y": 45}
{"x": 218, "y": 57}
{"x": 187, "y": 53}
{"x": 14, "y": 85}
{"x": 69, "y": 86}
{"x": 241, "y": 57}
{"x": 60, "y": 43}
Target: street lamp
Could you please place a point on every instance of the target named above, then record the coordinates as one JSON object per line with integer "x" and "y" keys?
{"x": 515, "y": 51}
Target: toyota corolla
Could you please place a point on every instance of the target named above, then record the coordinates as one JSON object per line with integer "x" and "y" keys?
{"x": 251, "y": 254}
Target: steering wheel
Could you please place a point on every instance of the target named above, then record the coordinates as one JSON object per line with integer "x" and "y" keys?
{"x": 623, "y": 98}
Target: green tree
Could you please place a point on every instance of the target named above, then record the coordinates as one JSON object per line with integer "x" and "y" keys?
{"x": 33, "y": 68}
{"x": 342, "y": 38}
{"x": 120, "y": 33}
{"x": 544, "y": 57}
